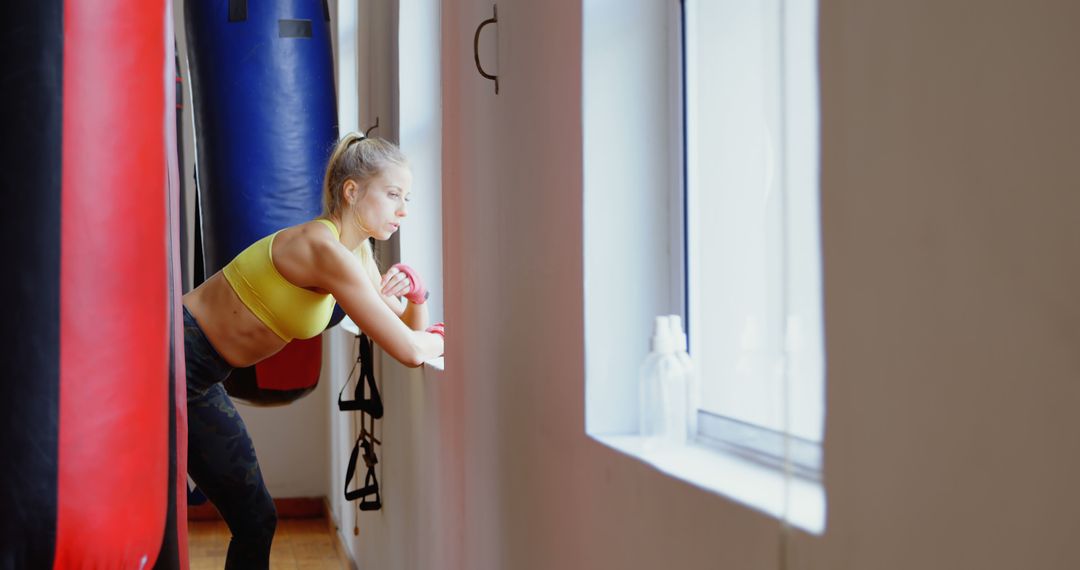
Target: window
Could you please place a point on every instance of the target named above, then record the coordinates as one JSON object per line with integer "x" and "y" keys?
{"x": 753, "y": 261}
{"x": 419, "y": 124}
{"x": 700, "y": 198}
{"x": 401, "y": 103}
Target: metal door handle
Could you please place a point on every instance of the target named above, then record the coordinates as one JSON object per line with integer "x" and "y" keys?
{"x": 476, "y": 46}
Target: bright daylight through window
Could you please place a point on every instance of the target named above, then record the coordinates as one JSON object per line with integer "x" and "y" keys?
{"x": 753, "y": 248}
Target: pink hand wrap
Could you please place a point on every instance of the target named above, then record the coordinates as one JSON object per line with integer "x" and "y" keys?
{"x": 417, "y": 294}
{"x": 437, "y": 328}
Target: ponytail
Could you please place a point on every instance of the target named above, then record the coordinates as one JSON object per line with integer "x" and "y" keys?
{"x": 331, "y": 196}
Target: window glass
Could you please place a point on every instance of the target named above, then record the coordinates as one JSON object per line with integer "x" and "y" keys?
{"x": 753, "y": 261}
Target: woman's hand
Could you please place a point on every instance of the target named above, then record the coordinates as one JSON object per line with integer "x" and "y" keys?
{"x": 437, "y": 328}
{"x": 402, "y": 281}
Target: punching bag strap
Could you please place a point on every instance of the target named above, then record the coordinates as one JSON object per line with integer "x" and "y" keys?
{"x": 373, "y": 404}
{"x": 237, "y": 10}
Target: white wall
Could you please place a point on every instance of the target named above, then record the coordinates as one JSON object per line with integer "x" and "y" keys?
{"x": 950, "y": 238}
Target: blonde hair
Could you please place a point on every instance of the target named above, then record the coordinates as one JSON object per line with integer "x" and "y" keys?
{"x": 359, "y": 159}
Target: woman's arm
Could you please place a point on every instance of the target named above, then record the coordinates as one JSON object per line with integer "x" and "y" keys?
{"x": 395, "y": 305}
{"x": 340, "y": 273}
{"x": 415, "y": 316}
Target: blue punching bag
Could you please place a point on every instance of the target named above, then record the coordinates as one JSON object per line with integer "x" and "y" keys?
{"x": 265, "y": 122}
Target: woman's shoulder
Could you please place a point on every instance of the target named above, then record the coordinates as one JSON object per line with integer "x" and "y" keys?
{"x": 304, "y": 251}
{"x": 315, "y": 236}
{"x": 320, "y": 227}
{"x": 319, "y": 231}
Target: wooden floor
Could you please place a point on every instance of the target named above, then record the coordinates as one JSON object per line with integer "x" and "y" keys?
{"x": 299, "y": 544}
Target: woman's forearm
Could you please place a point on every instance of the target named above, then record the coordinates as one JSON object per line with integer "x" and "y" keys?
{"x": 415, "y": 316}
{"x": 395, "y": 304}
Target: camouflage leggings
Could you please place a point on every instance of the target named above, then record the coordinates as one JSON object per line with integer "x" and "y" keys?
{"x": 221, "y": 456}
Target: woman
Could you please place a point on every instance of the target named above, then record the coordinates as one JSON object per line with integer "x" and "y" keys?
{"x": 283, "y": 287}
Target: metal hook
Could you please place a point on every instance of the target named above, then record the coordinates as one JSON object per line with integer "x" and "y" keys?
{"x": 367, "y": 133}
{"x": 476, "y": 46}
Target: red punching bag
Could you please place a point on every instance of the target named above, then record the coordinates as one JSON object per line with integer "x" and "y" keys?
{"x": 92, "y": 421}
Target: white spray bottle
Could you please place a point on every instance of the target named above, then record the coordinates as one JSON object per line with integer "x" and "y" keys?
{"x": 662, "y": 389}
{"x": 692, "y": 382}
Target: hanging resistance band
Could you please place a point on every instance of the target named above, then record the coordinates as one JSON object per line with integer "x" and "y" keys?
{"x": 370, "y": 408}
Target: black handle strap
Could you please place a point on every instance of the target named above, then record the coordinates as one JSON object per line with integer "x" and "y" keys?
{"x": 371, "y": 405}
{"x": 371, "y": 483}
{"x": 367, "y": 503}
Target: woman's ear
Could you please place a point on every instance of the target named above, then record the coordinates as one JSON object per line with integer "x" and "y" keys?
{"x": 349, "y": 190}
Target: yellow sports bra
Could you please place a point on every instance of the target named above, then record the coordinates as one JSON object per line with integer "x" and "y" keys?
{"x": 290, "y": 311}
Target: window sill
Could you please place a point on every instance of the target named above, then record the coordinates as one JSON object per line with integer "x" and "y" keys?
{"x": 753, "y": 485}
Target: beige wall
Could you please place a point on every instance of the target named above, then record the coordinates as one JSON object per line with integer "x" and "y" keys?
{"x": 950, "y": 204}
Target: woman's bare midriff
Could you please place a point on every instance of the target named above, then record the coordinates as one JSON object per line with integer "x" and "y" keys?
{"x": 237, "y": 334}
